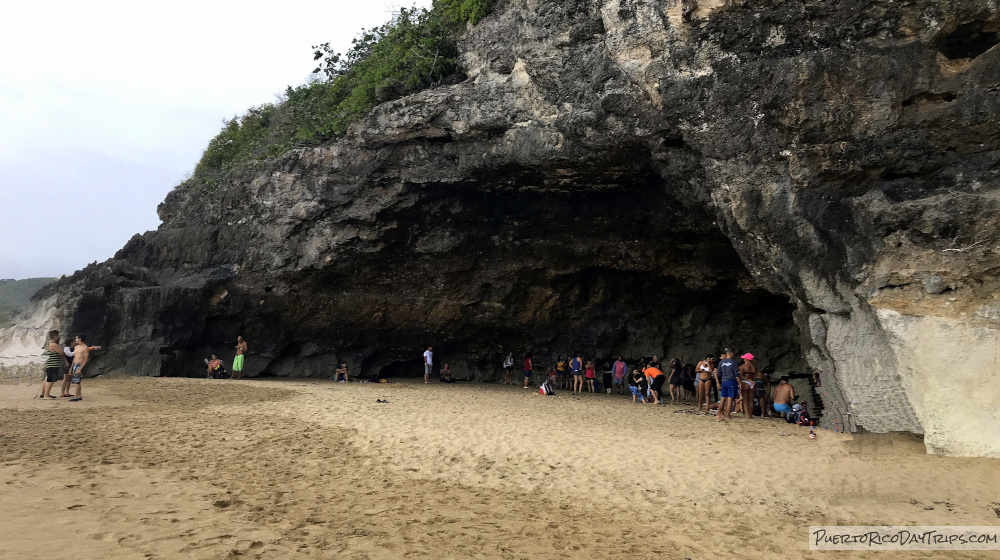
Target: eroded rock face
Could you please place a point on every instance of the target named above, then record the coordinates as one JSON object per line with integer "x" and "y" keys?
{"x": 807, "y": 179}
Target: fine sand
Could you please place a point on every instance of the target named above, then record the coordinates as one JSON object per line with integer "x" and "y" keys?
{"x": 182, "y": 468}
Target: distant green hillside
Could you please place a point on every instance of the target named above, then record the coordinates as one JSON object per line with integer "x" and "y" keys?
{"x": 15, "y": 295}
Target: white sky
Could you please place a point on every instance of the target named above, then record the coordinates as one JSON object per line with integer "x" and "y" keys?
{"x": 106, "y": 106}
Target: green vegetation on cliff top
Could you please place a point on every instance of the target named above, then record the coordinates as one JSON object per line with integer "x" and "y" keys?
{"x": 413, "y": 51}
{"x": 15, "y": 295}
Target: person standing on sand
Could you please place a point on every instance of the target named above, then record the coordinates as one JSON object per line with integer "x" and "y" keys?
{"x": 576, "y": 366}
{"x": 428, "y": 363}
{"x": 655, "y": 377}
{"x": 784, "y": 394}
{"x": 508, "y": 369}
{"x": 81, "y": 356}
{"x": 618, "y": 370}
{"x": 528, "y": 367}
{"x": 726, "y": 375}
{"x": 590, "y": 376}
{"x": 609, "y": 376}
{"x": 54, "y": 362}
{"x": 241, "y": 350}
{"x": 748, "y": 387}
{"x": 704, "y": 384}
{"x": 561, "y": 374}
{"x": 70, "y": 352}
{"x": 676, "y": 379}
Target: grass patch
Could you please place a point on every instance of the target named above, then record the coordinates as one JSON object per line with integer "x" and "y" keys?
{"x": 413, "y": 51}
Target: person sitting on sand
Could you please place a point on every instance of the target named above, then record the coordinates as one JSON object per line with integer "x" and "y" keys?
{"x": 802, "y": 418}
{"x": 589, "y": 375}
{"x": 340, "y": 374}
{"x": 784, "y": 395}
{"x": 637, "y": 385}
{"x": 213, "y": 366}
{"x": 446, "y": 374}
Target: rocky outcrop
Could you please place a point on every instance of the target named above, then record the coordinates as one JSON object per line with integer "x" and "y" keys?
{"x": 810, "y": 179}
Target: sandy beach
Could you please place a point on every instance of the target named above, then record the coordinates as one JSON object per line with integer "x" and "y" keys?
{"x": 166, "y": 468}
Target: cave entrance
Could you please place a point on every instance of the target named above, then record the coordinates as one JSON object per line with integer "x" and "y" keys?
{"x": 970, "y": 40}
{"x": 403, "y": 369}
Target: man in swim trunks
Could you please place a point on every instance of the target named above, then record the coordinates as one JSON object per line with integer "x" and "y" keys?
{"x": 618, "y": 370}
{"x": 784, "y": 394}
{"x": 241, "y": 350}
{"x": 81, "y": 355}
{"x": 726, "y": 375}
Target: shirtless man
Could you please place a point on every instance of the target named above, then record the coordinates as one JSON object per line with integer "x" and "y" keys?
{"x": 81, "y": 355}
{"x": 70, "y": 352}
{"x": 241, "y": 350}
{"x": 784, "y": 394}
{"x": 748, "y": 379}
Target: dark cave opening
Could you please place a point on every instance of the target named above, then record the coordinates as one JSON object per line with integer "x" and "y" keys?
{"x": 969, "y": 40}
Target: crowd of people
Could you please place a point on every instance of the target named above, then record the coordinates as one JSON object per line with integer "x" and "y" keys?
{"x": 722, "y": 385}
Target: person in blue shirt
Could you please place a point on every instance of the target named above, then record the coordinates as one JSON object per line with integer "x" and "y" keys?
{"x": 727, "y": 376}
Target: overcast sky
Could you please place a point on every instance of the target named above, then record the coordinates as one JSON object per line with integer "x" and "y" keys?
{"x": 106, "y": 106}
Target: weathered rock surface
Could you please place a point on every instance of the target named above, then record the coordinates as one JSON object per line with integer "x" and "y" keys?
{"x": 802, "y": 179}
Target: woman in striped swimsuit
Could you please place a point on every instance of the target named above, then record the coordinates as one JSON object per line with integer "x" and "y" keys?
{"x": 54, "y": 361}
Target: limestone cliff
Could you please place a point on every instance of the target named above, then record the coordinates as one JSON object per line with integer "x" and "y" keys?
{"x": 806, "y": 178}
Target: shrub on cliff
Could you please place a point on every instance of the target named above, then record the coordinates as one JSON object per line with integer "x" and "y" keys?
{"x": 413, "y": 51}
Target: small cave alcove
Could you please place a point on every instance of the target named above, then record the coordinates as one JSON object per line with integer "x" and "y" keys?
{"x": 970, "y": 40}
{"x": 402, "y": 369}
